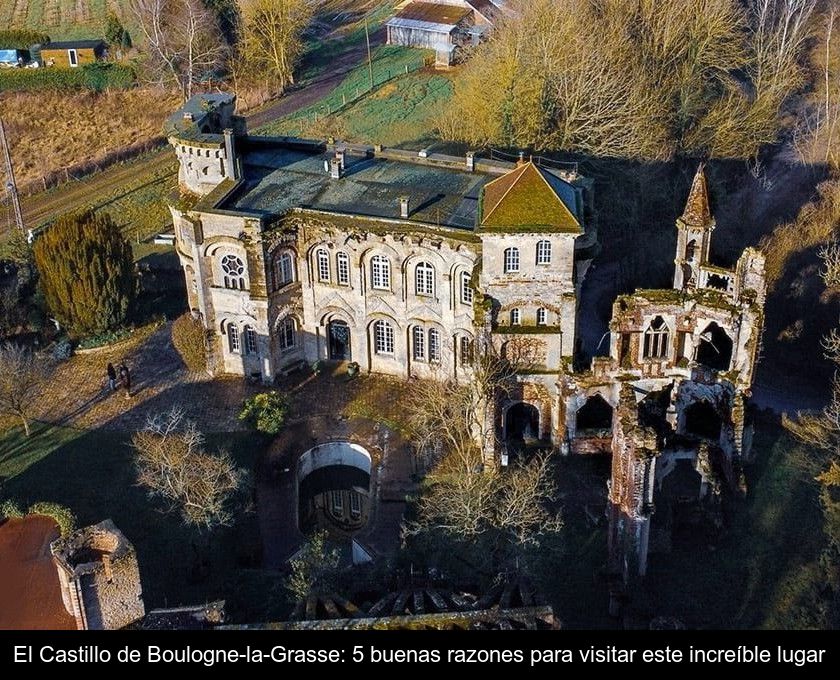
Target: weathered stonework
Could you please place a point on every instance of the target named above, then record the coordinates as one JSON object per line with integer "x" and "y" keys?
{"x": 99, "y": 577}
{"x": 304, "y": 251}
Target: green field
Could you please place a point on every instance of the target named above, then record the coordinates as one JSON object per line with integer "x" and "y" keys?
{"x": 398, "y": 111}
{"x": 64, "y": 19}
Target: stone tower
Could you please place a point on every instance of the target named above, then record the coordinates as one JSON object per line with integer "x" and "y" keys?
{"x": 99, "y": 577}
{"x": 694, "y": 234}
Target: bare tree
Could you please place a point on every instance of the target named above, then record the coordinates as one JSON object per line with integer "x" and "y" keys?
{"x": 22, "y": 375}
{"x": 271, "y": 42}
{"x": 830, "y": 255}
{"x": 173, "y": 466}
{"x": 452, "y": 429}
{"x": 183, "y": 41}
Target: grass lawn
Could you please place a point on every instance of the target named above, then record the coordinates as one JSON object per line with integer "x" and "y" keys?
{"x": 92, "y": 473}
{"x": 388, "y": 61}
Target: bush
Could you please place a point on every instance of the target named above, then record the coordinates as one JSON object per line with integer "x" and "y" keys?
{"x": 65, "y": 519}
{"x": 188, "y": 339}
{"x": 266, "y": 411}
{"x": 10, "y": 510}
{"x": 87, "y": 273}
{"x": 98, "y": 76}
{"x": 22, "y": 39}
{"x": 107, "y": 338}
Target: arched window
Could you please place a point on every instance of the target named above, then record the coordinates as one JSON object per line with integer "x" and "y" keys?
{"x": 380, "y": 272}
{"x": 511, "y": 260}
{"x": 233, "y": 338}
{"x": 250, "y": 340}
{"x": 466, "y": 289}
{"x": 383, "y": 337}
{"x": 656, "y": 340}
{"x": 690, "y": 250}
{"x": 286, "y": 333}
{"x": 323, "y": 258}
{"x": 465, "y": 350}
{"x": 542, "y": 316}
{"x": 284, "y": 272}
{"x": 515, "y": 316}
{"x": 434, "y": 345}
{"x": 424, "y": 279}
{"x": 543, "y": 252}
{"x": 342, "y": 268}
{"x": 418, "y": 344}
{"x": 233, "y": 271}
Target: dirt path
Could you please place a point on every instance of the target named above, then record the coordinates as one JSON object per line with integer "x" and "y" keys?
{"x": 43, "y": 207}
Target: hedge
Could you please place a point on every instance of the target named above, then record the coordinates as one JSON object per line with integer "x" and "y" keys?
{"x": 96, "y": 77}
{"x": 21, "y": 39}
{"x": 65, "y": 519}
{"x": 10, "y": 510}
{"x": 188, "y": 339}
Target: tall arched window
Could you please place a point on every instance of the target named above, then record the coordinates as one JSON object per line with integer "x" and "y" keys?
{"x": 511, "y": 260}
{"x": 543, "y": 252}
{"x": 233, "y": 272}
{"x": 286, "y": 333}
{"x": 466, "y": 289}
{"x": 690, "y": 250}
{"x": 424, "y": 279}
{"x": 233, "y": 338}
{"x": 434, "y": 345}
{"x": 465, "y": 349}
{"x": 383, "y": 337}
{"x": 284, "y": 272}
{"x": 380, "y": 272}
{"x": 418, "y": 344}
{"x": 515, "y": 316}
{"x": 656, "y": 340}
{"x": 250, "y": 340}
{"x": 342, "y": 269}
{"x": 323, "y": 258}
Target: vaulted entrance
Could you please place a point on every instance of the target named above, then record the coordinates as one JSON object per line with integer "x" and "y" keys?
{"x": 339, "y": 339}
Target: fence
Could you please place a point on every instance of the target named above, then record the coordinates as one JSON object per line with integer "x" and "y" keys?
{"x": 348, "y": 93}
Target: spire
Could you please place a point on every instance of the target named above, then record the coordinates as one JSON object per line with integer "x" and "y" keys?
{"x": 697, "y": 212}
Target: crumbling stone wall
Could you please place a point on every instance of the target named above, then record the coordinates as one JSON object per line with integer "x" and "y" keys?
{"x": 99, "y": 577}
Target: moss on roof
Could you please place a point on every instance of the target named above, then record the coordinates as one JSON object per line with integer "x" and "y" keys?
{"x": 523, "y": 197}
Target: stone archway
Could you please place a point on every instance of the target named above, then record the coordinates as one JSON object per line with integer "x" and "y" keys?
{"x": 522, "y": 423}
{"x": 715, "y": 350}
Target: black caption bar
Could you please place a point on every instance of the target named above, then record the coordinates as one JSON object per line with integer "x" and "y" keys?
{"x": 796, "y": 652}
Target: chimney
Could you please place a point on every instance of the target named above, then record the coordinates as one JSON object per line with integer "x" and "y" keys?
{"x": 404, "y": 207}
{"x": 521, "y": 160}
{"x": 230, "y": 154}
{"x": 340, "y": 155}
{"x": 335, "y": 168}
{"x": 470, "y": 161}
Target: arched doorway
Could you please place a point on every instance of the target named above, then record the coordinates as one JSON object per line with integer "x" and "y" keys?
{"x": 339, "y": 340}
{"x": 715, "y": 349}
{"x": 702, "y": 420}
{"x": 594, "y": 418}
{"x": 522, "y": 423}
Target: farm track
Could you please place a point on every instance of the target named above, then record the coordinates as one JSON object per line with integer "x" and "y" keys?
{"x": 43, "y": 207}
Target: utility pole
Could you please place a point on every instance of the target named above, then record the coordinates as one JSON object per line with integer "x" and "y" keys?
{"x": 370, "y": 62}
{"x": 11, "y": 186}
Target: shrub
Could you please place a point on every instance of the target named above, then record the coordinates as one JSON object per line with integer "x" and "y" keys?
{"x": 21, "y": 39}
{"x": 266, "y": 411}
{"x": 87, "y": 273}
{"x": 188, "y": 339}
{"x": 65, "y": 519}
{"x": 107, "y": 338}
{"x": 98, "y": 76}
{"x": 10, "y": 510}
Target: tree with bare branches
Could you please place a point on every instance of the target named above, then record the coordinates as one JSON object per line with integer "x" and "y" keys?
{"x": 22, "y": 375}
{"x": 174, "y": 467}
{"x": 270, "y": 38}
{"x": 466, "y": 497}
{"x": 183, "y": 41}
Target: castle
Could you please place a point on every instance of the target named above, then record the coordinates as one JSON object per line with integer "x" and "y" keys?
{"x": 296, "y": 251}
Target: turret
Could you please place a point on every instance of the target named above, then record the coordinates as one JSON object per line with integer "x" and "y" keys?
{"x": 694, "y": 234}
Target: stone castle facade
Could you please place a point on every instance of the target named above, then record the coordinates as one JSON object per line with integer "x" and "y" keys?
{"x": 297, "y": 251}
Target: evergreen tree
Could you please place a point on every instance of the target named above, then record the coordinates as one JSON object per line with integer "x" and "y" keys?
{"x": 87, "y": 272}
{"x": 114, "y": 30}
